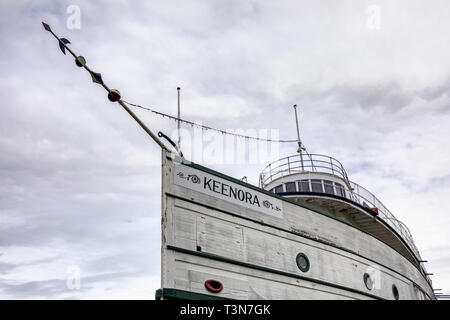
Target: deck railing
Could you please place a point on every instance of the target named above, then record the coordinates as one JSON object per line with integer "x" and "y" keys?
{"x": 311, "y": 163}
{"x": 306, "y": 163}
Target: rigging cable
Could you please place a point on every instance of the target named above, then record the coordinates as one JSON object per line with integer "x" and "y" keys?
{"x": 206, "y": 127}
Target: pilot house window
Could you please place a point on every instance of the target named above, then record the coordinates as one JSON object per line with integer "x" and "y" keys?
{"x": 279, "y": 189}
{"x": 328, "y": 186}
{"x": 304, "y": 186}
{"x": 339, "y": 189}
{"x": 290, "y": 187}
{"x": 316, "y": 185}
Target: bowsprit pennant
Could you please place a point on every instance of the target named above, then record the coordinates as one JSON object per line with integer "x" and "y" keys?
{"x": 113, "y": 94}
{"x": 96, "y": 77}
{"x": 46, "y": 27}
{"x": 61, "y": 45}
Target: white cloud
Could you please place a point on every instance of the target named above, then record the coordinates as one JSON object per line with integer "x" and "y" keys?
{"x": 80, "y": 181}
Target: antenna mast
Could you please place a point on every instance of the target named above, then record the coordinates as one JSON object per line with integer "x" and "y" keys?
{"x": 179, "y": 117}
{"x": 299, "y": 150}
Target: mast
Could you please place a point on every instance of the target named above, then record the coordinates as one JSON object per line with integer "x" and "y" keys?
{"x": 179, "y": 117}
{"x": 299, "y": 150}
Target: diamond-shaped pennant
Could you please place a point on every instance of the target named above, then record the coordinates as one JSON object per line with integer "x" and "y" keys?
{"x": 46, "y": 27}
{"x": 96, "y": 77}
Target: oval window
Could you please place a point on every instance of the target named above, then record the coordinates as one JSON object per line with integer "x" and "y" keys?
{"x": 368, "y": 281}
{"x": 214, "y": 286}
{"x": 302, "y": 262}
{"x": 395, "y": 292}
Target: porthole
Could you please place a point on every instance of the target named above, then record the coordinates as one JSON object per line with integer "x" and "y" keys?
{"x": 395, "y": 292}
{"x": 302, "y": 262}
{"x": 214, "y": 286}
{"x": 368, "y": 281}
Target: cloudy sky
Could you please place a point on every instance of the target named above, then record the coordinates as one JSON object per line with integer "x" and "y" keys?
{"x": 80, "y": 181}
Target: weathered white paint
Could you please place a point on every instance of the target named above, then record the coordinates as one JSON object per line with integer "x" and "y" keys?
{"x": 199, "y": 223}
{"x": 226, "y": 190}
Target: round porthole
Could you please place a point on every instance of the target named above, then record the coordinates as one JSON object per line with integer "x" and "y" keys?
{"x": 395, "y": 292}
{"x": 302, "y": 262}
{"x": 368, "y": 281}
{"x": 214, "y": 286}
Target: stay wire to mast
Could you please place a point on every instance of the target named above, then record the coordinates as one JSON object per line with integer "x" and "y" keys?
{"x": 207, "y": 127}
{"x": 115, "y": 97}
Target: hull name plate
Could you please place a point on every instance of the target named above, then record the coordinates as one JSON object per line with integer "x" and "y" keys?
{"x": 223, "y": 189}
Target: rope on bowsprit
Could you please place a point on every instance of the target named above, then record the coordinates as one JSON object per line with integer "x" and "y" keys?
{"x": 197, "y": 125}
{"x": 113, "y": 94}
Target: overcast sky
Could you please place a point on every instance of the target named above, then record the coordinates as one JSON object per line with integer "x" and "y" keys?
{"x": 80, "y": 181}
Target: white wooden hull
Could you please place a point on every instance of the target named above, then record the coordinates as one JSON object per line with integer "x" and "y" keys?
{"x": 252, "y": 252}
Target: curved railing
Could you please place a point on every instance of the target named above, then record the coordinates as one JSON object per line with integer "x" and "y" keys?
{"x": 367, "y": 199}
{"x": 324, "y": 164}
{"x": 297, "y": 164}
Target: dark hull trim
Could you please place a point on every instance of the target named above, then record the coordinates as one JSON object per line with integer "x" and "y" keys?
{"x": 213, "y": 172}
{"x": 176, "y": 294}
{"x": 294, "y": 233}
{"x": 261, "y": 268}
